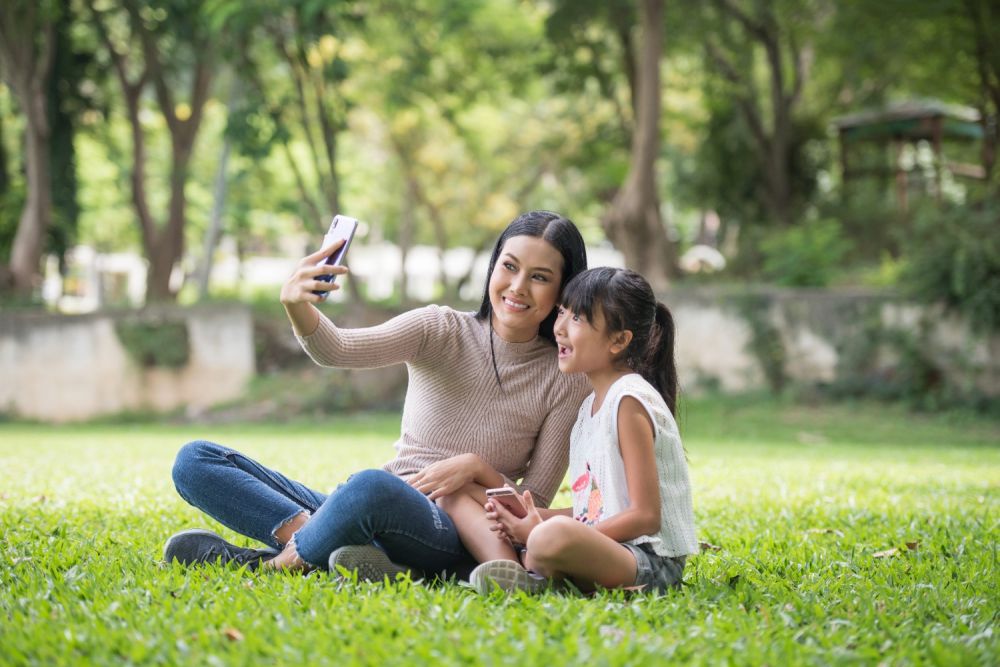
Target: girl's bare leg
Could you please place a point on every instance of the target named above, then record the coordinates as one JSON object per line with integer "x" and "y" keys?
{"x": 561, "y": 547}
{"x": 466, "y": 509}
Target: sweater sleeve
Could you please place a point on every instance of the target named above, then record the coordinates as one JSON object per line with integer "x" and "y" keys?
{"x": 550, "y": 457}
{"x": 400, "y": 340}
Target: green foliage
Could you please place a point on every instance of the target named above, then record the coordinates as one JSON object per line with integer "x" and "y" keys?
{"x": 894, "y": 364}
{"x": 765, "y": 339}
{"x": 155, "y": 343}
{"x": 494, "y": 106}
{"x": 844, "y": 535}
{"x": 805, "y": 255}
{"x": 953, "y": 258}
{"x": 11, "y": 204}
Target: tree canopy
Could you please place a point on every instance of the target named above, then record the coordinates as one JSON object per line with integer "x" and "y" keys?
{"x": 165, "y": 127}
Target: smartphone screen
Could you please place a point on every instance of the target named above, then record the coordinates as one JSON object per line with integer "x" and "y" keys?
{"x": 342, "y": 227}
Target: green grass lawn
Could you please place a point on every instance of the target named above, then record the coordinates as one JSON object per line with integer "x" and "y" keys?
{"x": 847, "y": 534}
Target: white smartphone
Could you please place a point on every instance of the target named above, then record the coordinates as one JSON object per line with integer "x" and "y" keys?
{"x": 506, "y": 497}
{"x": 342, "y": 228}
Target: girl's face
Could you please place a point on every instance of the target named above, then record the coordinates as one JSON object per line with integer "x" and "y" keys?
{"x": 524, "y": 287}
{"x": 585, "y": 346}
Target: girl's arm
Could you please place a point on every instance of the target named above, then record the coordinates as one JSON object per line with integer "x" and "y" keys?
{"x": 641, "y": 517}
{"x": 635, "y": 440}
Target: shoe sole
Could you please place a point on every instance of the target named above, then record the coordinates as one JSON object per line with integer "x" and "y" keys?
{"x": 183, "y": 533}
{"x": 370, "y": 563}
{"x": 507, "y": 576}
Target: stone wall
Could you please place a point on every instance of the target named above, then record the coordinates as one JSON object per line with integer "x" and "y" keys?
{"x": 60, "y": 368}
{"x": 745, "y": 339}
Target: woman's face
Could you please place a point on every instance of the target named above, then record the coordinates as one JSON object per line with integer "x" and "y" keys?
{"x": 524, "y": 287}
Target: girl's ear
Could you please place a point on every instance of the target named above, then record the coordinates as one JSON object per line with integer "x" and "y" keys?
{"x": 620, "y": 341}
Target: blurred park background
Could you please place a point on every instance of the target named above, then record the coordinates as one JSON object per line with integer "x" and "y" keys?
{"x": 811, "y": 185}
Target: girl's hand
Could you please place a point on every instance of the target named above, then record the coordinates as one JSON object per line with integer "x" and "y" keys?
{"x": 509, "y": 526}
{"x": 446, "y": 477}
{"x": 300, "y": 285}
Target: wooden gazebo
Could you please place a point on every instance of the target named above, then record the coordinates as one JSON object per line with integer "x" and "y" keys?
{"x": 900, "y": 124}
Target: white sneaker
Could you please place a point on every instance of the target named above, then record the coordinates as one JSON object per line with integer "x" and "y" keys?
{"x": 367, "y": 560}
{"x": 507, "y": 575}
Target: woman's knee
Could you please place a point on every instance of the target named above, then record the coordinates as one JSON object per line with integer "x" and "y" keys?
{"x": 375, "y": 486}
{"x": 551, "y": 539}
{"x": 191, "y": 459}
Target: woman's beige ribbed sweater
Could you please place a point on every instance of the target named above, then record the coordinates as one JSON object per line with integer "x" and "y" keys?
{"x": 453, "y": 403}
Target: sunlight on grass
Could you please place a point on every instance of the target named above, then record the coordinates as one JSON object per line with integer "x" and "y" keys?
{"x": 852, "y": 533}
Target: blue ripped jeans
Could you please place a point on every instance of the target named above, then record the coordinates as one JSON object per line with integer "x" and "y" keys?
{"x": 371, "y": 507}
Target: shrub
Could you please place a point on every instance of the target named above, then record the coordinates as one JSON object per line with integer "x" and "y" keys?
{"x": 805, "y": 255}
{"x": 953, "y": 258}
{"x": 152, "y": 344}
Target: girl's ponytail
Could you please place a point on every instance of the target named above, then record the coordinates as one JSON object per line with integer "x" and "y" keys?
{"x": 660, "y": 369}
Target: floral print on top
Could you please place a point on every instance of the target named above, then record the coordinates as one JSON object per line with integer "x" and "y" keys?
{"x": 588, "y": 495}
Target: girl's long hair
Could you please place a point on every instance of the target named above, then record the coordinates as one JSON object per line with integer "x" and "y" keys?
{"x": 628, "y": 303}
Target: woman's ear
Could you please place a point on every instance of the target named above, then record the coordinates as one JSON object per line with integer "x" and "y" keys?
{"x": 620, "y": 341}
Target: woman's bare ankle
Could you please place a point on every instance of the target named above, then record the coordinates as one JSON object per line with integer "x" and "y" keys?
{"x": 286, "y": 530}
{"x": 289, "y": 560}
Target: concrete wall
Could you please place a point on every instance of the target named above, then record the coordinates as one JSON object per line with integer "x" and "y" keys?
{"x": 817, "y": 333}
{"x": 64, "y": 368}
{"x": 60, "y": 368}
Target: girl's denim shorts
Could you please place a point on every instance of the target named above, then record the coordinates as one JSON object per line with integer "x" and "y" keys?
{"x": 655, "y": 572}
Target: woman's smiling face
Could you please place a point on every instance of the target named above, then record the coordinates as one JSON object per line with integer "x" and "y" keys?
{"x": 524, "y": 287}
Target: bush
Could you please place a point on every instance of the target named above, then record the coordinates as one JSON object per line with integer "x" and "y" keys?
{"x": 805, "y": 255}
{"x": 953, "y": 258}
{"x": 152, "y": 344}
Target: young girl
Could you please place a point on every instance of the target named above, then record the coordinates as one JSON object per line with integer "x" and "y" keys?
{"x": 631, "y": 523}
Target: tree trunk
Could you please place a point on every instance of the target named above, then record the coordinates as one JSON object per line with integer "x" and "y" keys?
{"x": 773, "y": 144}
{"x": 166, "y": 246}
{"x": 987, "y": 56}
{"x": 36, "y": 217}
{"x": 406, "y": 228}
{"x": 778, "y": 155}
{"x": 27, "y": 51}
{"x": 633, "y": 222}
{"x": 4, "y": 162}
{"x": 214, "y": 230}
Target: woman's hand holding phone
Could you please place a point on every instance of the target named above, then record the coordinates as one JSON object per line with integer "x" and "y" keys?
{"x": 302, "y": 285}
{"x": 510, "y": 527}
{"x": 297, "y": 294}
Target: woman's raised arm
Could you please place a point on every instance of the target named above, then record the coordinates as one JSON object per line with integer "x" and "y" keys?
{"x": 298, "y": 293}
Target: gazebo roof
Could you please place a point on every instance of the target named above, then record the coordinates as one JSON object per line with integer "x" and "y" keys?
{"x": 912, "y": 120}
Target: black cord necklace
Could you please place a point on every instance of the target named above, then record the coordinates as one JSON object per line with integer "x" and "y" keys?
{"x": 493, "y": 355}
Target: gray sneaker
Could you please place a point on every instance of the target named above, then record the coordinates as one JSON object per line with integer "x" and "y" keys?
{"x": 367, "y": 560}
{"x": 196, "y": 546}
{"x": 507, "y": 575}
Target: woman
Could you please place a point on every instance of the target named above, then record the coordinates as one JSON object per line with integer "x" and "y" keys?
{"x": 485, "y": 406}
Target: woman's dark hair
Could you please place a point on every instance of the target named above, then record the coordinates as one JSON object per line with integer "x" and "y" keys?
{"x": 562, "y": 234}
{"x": 628, "y": 303}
